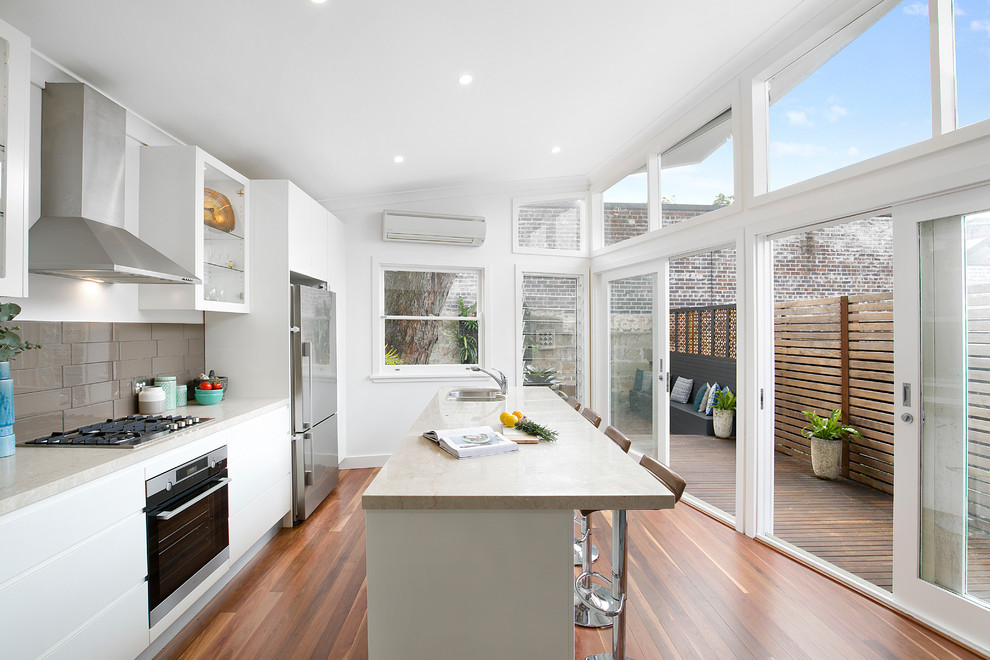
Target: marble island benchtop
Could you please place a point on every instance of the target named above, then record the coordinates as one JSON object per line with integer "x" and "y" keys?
{"x": 34, "y": 473}
{"x": 582, "y": 470}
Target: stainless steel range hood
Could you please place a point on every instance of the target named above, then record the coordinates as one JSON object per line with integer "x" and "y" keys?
{"x": 80, "y": 233}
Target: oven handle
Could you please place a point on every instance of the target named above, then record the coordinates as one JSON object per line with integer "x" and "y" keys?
{"x": 166, "y": 515}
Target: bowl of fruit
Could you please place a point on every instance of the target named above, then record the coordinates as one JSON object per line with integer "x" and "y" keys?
{"x": 209, "y": 389}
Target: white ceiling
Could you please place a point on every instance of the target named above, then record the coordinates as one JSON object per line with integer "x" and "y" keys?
{"x": 327, "y": 95}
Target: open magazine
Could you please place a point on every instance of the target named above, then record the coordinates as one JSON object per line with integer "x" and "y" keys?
{"x": 472, "y": 441}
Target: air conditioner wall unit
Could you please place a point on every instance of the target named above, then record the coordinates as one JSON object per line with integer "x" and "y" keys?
{"x": 412, "y": 227}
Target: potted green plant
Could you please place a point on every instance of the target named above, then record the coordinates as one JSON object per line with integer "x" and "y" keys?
{"x": 534, "y": 376}
{"x": 10, "y": 346}
{"x": 826, "y": 435}
{"x": 723, "y": 412}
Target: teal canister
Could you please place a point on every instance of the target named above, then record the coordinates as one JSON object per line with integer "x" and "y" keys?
{"x": 167, "y": 383}
{"x": 181, "y": 395}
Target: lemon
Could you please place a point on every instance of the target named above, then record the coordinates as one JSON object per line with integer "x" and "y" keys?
{"x": 508, "y": 419}
{"x": 518, "y": 414}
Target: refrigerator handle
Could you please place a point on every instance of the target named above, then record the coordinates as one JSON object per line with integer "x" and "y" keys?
{"x": 309, "y": 462}
{"x": 307, "y": 373}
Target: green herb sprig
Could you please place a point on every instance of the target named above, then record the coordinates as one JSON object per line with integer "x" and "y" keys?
{"x": 532, "y": 428}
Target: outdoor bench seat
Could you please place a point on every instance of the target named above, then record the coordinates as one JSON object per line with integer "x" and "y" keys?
{"x": 685, "y": 420}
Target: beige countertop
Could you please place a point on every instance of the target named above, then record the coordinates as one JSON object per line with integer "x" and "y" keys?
{"x": 34, "y": 473}
{"x": 582, "y": 470}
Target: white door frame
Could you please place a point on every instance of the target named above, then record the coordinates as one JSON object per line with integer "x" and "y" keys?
{"x": 954, "y": 614}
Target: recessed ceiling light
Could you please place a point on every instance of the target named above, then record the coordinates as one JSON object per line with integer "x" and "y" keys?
{"x": 398, "y": 159}
{"x": 465, "y": 79}
{"x": 555, "y": 150}
{"x": 318, "y": 2}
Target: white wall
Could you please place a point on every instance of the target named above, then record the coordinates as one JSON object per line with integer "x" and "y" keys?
{"x": 62, "y": 299}
{"x": 380, "y": 413}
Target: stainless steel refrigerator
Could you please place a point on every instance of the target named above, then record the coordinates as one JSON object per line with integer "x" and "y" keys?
{"x": 314, "y": 398}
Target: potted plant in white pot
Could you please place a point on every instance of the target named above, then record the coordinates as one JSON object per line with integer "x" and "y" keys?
{"x": 826, "y": 435}
{"x": 723, "y": 412}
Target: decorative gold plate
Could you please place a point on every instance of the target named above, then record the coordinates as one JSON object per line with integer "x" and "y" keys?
{"x": 217, "y": 211}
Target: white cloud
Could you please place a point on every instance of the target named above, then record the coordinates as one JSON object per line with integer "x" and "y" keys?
{"x": 798, "y": 118}
{"x": 852, "y": 152}
{"x": 916, "y": 9}
{"x": 837, "y": 112}
{"x": 799, "y": 149}
{"x": 980, "y": 26}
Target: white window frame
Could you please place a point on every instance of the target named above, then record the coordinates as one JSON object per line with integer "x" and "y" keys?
{"x": 581, "y": 197}
{"x": 652, "y": 170}
{"x": 715, "y": 123}
{"x": 424, "y": 372}
{"x": 582, "y": 274}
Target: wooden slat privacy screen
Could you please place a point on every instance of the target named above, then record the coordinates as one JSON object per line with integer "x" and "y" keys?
{"x": 838, "y": 353}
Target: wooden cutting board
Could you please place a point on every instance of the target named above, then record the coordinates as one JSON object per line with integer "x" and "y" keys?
{"x": 518, "y": 436}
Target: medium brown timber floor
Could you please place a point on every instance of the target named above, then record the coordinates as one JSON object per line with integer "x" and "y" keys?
{"x": 697, "y": 589}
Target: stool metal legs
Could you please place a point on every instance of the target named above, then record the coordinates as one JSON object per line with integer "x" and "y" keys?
{"x": 585, "y": 616}
{"x": 617, "y": 607}
{"x": 579, "y": 542}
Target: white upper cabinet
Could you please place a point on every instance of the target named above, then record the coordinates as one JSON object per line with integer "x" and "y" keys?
{"x": 308, "y": 235}
{"x": 194, "y": 209}
{"x": 15, "y": 102}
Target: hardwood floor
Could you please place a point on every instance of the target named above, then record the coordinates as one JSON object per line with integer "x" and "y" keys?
{"x": 697, "y": 590}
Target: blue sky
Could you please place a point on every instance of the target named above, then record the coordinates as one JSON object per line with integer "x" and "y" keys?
{"x": 872, "y": 97}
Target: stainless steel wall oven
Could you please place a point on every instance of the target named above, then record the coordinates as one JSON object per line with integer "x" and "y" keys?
{"x": 187, "y": 529}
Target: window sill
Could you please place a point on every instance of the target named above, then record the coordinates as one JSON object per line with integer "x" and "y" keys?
{"x": 451, "y": 376}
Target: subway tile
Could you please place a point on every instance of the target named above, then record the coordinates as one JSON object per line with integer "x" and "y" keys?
{"x": 36, "y": 426}
{"x": 170, "y": 347}
{"x": 49, "y": 355}
{"x": 85, "y": 395}
{"x": 131, "y": 331}
{"x": 167, "y": 331}
{"x": 125, "y": 388}
{"x": 84, "y": 374}
{"x": 197, "y": 347}
{"x": 125, "y": 407}
{"x": 195, "y": 364}
{"x": 194, "y": 331}
{"x": 125, "y": 369}
{"x": 168, "y": 366}
{"x": 40, "y": 332}
{"x": 98, "y": 412}
{"x": 46, "y": 401}
{"x": 33, "y": 380}
{"x": 75, "y": 332}
{"x": 132, "y": 350}
{"x": 95, "y": 352}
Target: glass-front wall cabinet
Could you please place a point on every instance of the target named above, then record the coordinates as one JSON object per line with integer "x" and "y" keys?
{"x": 195, "y": 210}
{"x": 15, "y": 100}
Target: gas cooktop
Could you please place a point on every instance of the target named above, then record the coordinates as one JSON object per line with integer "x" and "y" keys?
{"x": 126, "y": 432}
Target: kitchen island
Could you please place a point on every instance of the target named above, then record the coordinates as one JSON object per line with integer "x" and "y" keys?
{"x": 472, "y": 558}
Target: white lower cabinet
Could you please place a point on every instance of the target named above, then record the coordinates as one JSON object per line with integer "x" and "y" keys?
{"x": 259, "y": 466}
{"x": 74, "y": 567}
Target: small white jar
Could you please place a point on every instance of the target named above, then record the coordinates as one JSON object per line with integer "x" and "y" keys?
{"x": 151, "y": 400}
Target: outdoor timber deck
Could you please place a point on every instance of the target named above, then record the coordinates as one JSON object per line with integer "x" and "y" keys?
{"x": 842, "y": 522}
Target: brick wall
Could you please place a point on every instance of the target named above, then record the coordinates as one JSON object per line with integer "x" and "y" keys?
{"x": 550, "y": 225}
{"x": 84, "y": 372}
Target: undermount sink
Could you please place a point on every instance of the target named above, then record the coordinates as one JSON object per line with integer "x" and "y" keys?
{"x": 475, "y": 394}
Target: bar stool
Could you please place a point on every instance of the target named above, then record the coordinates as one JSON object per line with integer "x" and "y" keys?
{"x": 574, "y": 403}
{"x": 596, "y": 420}
{"x": 585, "y": 616}
{"x": 615, "y": 605}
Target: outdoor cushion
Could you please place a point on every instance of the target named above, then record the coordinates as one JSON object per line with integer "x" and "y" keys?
{"x": 638, "y": 384}
{"x": 712, "y": 393}
{"x": 701, "y": 399}
{"x": 647, "y": 382}
{"x": 682, "y": 390}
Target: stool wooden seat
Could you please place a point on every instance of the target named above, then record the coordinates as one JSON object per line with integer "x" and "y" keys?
{"x": 618, "y": 437}
{"x": 574, "y": 403}
{"x": 591, "y": 416}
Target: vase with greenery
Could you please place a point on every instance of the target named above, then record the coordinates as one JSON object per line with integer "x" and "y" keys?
{"x": 723, "y": 412}
{"x": 826, "y": 435}
{"x": 10, "y": 346}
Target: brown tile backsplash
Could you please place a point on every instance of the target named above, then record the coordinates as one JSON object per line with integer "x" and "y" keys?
{"x": 85, "y": 371}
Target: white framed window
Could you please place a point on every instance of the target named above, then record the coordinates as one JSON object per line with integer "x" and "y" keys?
{"x": 431, "y": 320}
{"x": 626, "y": 208}
{"x": 697, "y": 174}
{"x": 552, "y": 321}
{"x": 865, "y": 91}
{"x": 550, "y": 225}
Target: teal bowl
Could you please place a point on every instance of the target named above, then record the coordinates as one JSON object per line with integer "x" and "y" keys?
{"x": 208, "y": 397}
